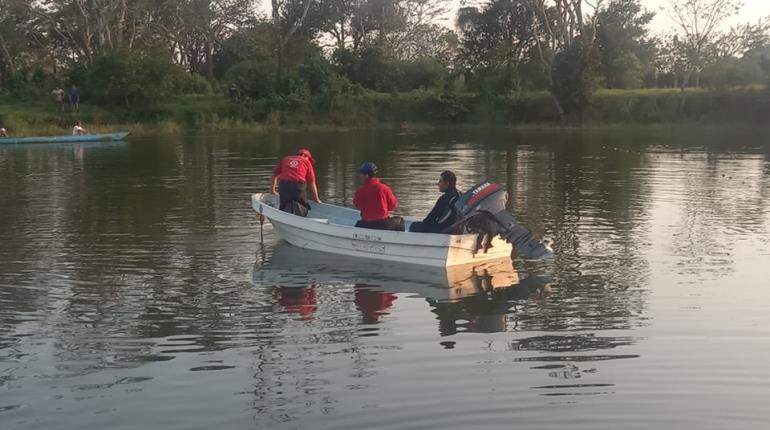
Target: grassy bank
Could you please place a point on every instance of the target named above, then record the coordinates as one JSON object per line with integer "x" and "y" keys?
{"x": 425, "y": 109}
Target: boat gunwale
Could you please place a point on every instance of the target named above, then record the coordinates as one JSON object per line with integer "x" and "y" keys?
{"x": 86, "y": 138}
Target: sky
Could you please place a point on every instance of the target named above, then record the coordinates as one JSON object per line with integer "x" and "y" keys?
{"x": 752, "y": 11}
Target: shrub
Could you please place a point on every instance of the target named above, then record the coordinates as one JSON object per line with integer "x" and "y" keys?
{"x": 134, "y": 79}
{"x": 255, "y": 78}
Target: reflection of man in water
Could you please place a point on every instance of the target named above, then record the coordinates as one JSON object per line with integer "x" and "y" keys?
{"x": 297, "y": 300}
{"x": 372, "y": 304}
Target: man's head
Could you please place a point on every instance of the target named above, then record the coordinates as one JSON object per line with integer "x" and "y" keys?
{"x": 78, "y": 123}
{"x": 447, "y": 181}
{"x": 367, "y": 170}
{"x": 305, "y": 153}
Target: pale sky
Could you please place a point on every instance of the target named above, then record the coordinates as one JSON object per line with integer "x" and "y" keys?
{"x": 752, "y": 11}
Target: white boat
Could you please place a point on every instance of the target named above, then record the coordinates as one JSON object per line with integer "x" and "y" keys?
{"x": 331, "y": 229}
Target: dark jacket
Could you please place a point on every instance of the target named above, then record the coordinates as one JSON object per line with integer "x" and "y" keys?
{"x": 443, "y": 215}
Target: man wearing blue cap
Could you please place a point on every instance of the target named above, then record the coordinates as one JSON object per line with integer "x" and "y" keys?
{"x": 375, "y": 200}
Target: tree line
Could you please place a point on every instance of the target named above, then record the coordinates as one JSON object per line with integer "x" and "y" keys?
{"x": 135, "y": 52}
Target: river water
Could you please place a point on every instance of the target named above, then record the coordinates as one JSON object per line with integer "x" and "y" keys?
{"x": 135, "y": 291}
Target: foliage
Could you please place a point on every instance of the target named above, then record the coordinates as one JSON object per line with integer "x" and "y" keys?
{"x": 626, "y": 49}
{"x": 701, "y": 42}
{"x": 255, "y": 78}
{"x": 133, "y": 79}
{"x": 373, "y": 69}
{"x": 333, "y": 60}
{"x": 575, "y": 77}
{"x": 497, "y": 37}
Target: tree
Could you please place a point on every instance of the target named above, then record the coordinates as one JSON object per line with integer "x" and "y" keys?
{"x": 405, "y": 29}
{"x": 291, "y": 18}
{"x": 498, "y": 37}
{"x": 87, "y": 28}
{"x": 560, "y": 24}
{"x": 699, "y": 22}
{"x": 251, "y": 42}
{"x": 626, "y": 49}
{"x": 742, "y": 38}
{"x": 195, "y": 29}
{"x": 418, "y": 33}
{"x": 671, "y": 60}
{"x": 19, "y": 37}
{"x": 134, "y": 78}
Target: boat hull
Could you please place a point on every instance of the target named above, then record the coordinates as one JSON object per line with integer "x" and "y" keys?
{"x": 330, "y": 229}
{"x": 111, "y": 137}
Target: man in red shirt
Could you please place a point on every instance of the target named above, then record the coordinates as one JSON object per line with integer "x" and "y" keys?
{"x": 375, "y": 200}
{"x": 292, "y": 176}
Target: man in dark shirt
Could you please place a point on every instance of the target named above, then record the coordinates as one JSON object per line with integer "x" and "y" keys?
{"x": 443, "y": 216}
{"x": 375, "y": 200}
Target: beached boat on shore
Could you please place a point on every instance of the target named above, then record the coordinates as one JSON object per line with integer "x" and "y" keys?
{"x": 331, "y": 229}
{"x": 108, "y": 137}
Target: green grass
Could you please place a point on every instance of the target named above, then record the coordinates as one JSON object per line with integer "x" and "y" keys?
{"x": 423, "y": 109}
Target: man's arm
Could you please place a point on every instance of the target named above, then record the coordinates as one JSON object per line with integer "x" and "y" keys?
{"x": 314, "y": 190}
{"x": 311, "y": 181}
{"x": 274, "y": 179}
{"x": 392, "y": 200}
{"x": 434, "y": 213}
{"x": 273, "y": 184}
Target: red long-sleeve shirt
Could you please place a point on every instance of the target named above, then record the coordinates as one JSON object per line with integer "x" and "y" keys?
{"x": 375, "y": 200}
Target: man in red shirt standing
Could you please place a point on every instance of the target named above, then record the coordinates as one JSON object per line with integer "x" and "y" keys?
{"x": 292, "y": 176}
{"x": 375, "y": 200}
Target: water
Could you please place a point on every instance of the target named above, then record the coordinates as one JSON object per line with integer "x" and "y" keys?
{"x": 135, "y": 293}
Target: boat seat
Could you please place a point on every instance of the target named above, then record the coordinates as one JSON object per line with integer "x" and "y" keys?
{"x": 320, "y": 220}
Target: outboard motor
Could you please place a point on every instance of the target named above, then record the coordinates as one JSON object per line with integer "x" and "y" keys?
{"x": 482, "y": 210}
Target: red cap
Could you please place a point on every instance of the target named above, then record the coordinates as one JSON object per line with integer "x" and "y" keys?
{"x": 306, "y": 152}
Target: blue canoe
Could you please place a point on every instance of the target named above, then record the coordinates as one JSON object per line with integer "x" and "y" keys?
{"x": 111, "y": 137}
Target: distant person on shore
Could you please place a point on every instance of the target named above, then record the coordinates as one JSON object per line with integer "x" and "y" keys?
{"x": 292, "y": 176}
{"x": 58, "y": 98}
{"x": 443, "y": 216}
{"x": 375, "y": 200}
{"x": 74, "y": 97}
{"x": 78, "y": 129}
{"x": 3, "y": 132}
{"x": 235, "y": 92}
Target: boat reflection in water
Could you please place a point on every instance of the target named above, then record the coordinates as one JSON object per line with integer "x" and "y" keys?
{"x": 487, "y": 310}
{"x": 470, "y": 298}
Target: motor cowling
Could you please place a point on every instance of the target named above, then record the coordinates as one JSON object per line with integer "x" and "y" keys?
{"x": 482, "y": 210}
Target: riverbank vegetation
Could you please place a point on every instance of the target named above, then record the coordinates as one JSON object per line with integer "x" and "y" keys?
{"x": 210, "y": 64}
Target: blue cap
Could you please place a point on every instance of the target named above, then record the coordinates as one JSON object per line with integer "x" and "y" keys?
{"x": 368, "y": 168}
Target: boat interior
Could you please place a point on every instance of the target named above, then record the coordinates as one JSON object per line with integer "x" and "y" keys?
{"x": 329, "y": 214}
